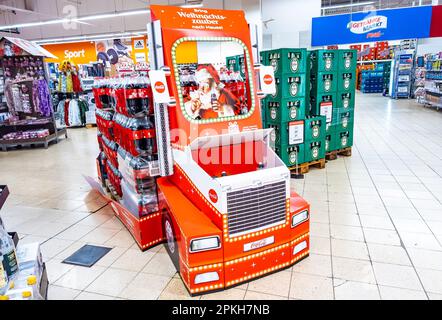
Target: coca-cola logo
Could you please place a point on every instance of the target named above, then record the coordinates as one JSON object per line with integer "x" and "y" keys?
{"x": 268, "y": 79}
{"x": 160, "y": 87}
{"x": 213, "y": 196}
{"x": 258, "y": 244}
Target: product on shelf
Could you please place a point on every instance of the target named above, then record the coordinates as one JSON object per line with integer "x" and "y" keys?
{"x": 25, "y": 135}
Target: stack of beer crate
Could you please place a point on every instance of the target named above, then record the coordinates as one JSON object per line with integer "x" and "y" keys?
{"x": 285, "y": 111}
{"x": 339, "y": 135}
{"x": 324, "y": 92}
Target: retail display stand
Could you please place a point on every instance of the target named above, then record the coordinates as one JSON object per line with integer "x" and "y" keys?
{"x": 31, "y": 119}
{"x": 223, "y": 224}
{"x": 403, "y": 70}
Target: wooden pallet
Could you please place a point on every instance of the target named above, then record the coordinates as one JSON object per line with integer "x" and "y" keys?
{"x": 334, "y": 154}
{"x": 91, "y": 126}
{"x": 305, "y": 167}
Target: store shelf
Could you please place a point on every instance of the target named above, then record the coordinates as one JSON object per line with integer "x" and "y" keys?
{"x": 5, "y": 144}
{"x": 4, "y": 193}
{"x": 438, "y": 93}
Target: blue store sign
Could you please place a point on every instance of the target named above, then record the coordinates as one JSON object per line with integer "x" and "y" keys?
{"x": 394, "y": 24}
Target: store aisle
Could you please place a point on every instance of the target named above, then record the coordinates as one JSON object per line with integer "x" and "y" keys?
{"x": 376, "y": 218}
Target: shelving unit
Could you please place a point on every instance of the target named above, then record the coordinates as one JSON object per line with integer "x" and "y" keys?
{"x": 403, "y": 69}
{"x": 54, "y": 134}
{"x": 432, "y": 84}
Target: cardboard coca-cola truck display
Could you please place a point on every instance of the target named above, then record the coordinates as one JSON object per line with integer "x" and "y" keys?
{"x": 205, "y": 180}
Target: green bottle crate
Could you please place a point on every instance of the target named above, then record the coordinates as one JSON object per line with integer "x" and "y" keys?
{"x": 324, "y": 60}
{"x": 242, "y": 66}
{"x": 285, "y": 110}
{"x": 232, "y": 63}
{"x": 316, "y": 101}
{"x": 291, "y": 155}
{"x": 315, "y": 127}
{"x": 345, "y": 100}
{"x": 289, "y": 133}
{"x": 344, "y": 119}
{"x": 348, "y": 60}
{"x": 290, "y": 86}
{"x": 263, "y": 110}
{"x": 346, "y": 81}
{"x": 330, "y": 128}
{"x": 263, "y": 58}
{"x": 343, "y": 139}
{"x": 287, "y": 60}
{"x": 331, "y": 142}
{"x": 314, "y": 150}
{"x": 323, "y": 82}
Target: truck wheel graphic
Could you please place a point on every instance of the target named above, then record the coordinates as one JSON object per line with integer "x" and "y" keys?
{"x": 171, "y": 246}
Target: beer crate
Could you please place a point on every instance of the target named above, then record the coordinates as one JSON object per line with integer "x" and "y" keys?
{"x": 331, "y": 141}
{"x": 285, "y": 110}
{"x": 315, "y": 128}
{"x": 263, "y": 111}
{"x": 263, "y": 58}
{"x": 290, "y": 86}
{"x": 323, "y": 83}
{"x": 242, "y": 66}
{"x": 291, "y": 155}
{"x": 314, "y": 150}
{"x": 343, "y": 119}
{"x": 232, "y": 63}
{"x": 287, "y": 60}
{"x": 347, "y": 60}
{"x": 288, "y": 133}
{"x": 345, "y": 100}
{"x": 346, "y": 81}
{"x": 342, "y": 140}
{"x": 324, "y": 60}
{"x": 321, "y": 102}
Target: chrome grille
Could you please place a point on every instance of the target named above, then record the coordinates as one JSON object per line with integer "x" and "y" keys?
{"x": 256, "y": 208}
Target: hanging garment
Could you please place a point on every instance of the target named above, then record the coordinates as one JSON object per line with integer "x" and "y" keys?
{"x": 9, "y": 97}
{"x": 83, "y": 105}
{"x": 17, "y": 98}
{"x": 69, "y": 83}
{"x": 74, "y": 114}
{"x": 76, "y": 83}
{"x": 35, "y": 97}
{"x": 60, "y": 112}
{"x": 26, "y": 88}
{"x": 66, "y": 113}
{"x": 62, "y": 85}
{"x": 44, "y": 98}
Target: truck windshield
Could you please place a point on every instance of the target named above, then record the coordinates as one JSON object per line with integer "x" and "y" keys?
{"x": 213, "y": 77}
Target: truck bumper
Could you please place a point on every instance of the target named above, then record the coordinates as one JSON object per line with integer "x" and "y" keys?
{"x": 235, "y": 272}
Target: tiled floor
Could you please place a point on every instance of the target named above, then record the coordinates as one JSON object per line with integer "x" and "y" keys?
{"x": 376, "y": 218}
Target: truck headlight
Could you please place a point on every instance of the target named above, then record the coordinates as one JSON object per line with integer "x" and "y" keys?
{"x": 299, "y": 218}
{"x": 206, "y": 277}
{"x": 205, "y": 244}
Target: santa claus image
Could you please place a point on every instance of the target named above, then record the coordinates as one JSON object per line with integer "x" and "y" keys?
{"x": 211, "y": 100}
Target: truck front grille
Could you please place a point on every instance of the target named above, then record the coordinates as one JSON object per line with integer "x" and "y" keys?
{"x": 256, "y": 208}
